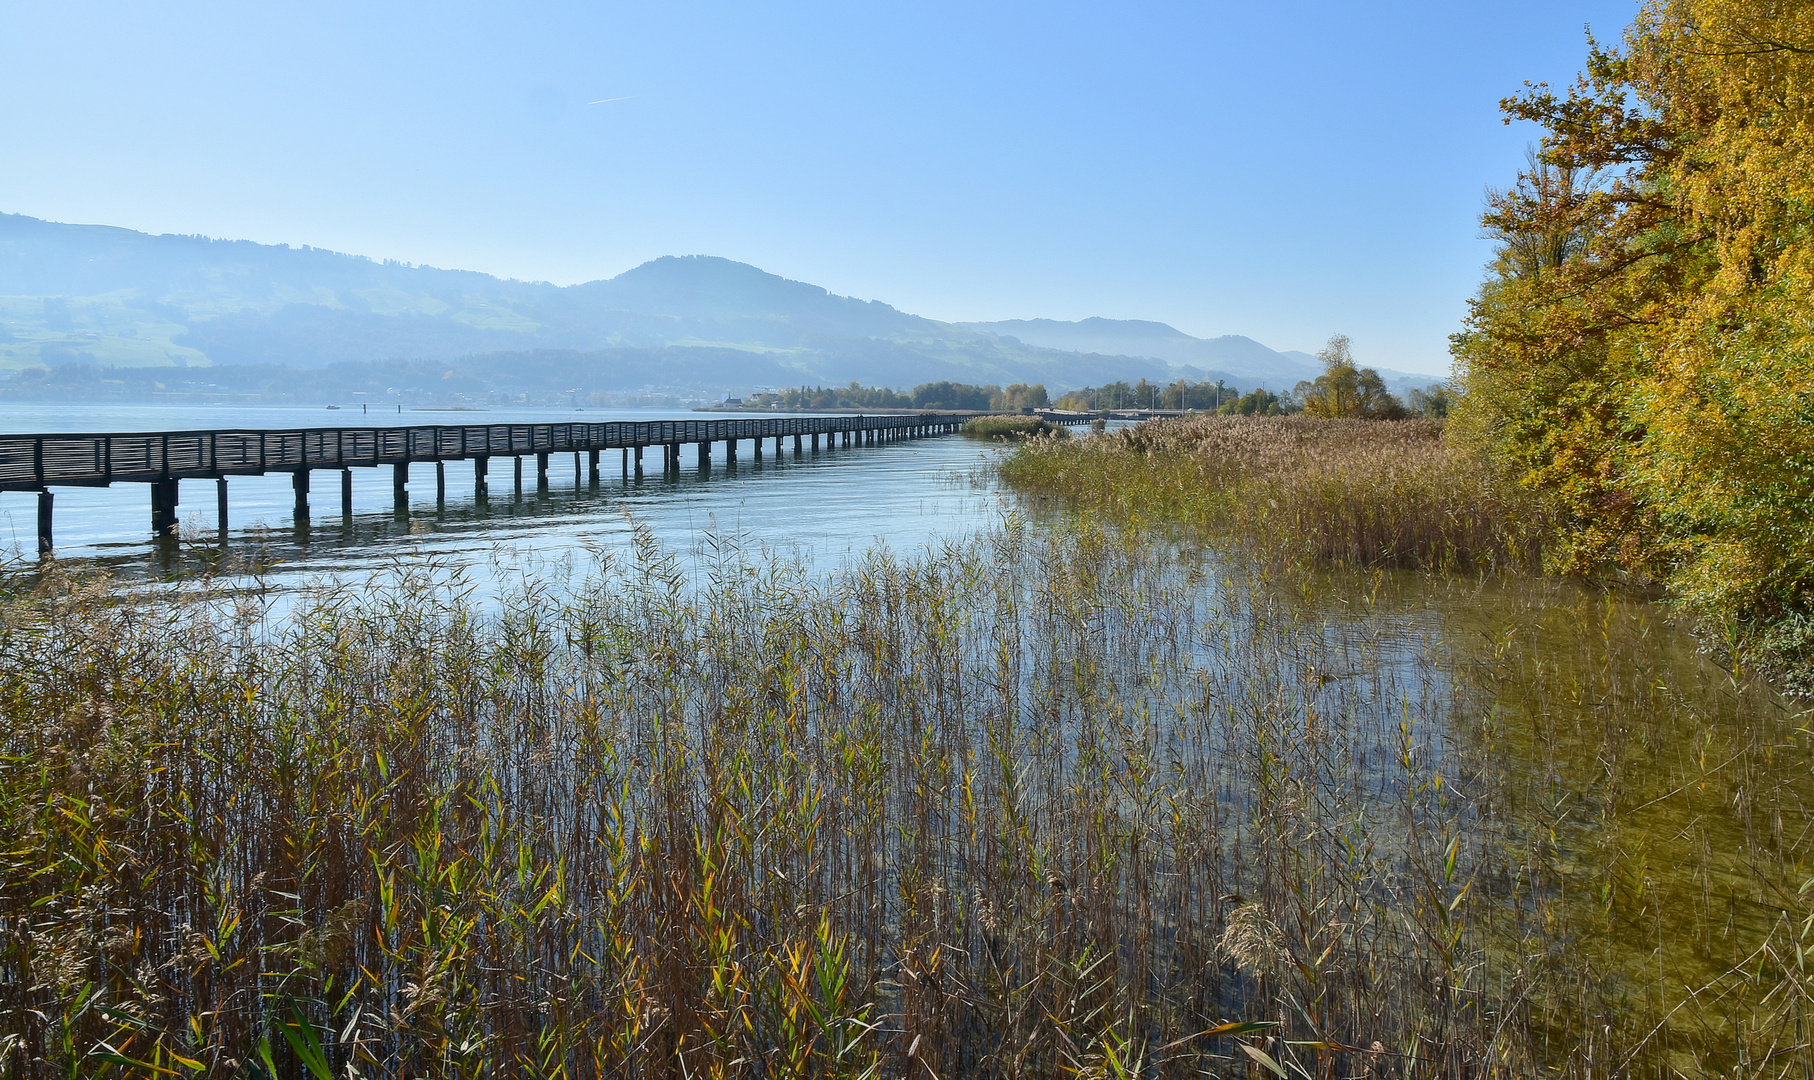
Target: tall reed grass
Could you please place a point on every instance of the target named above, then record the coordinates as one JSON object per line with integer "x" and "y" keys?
{"x": 1050, "y": 802}
{"x": 1300, "y": 490}
{"x": 1013, "y": 427}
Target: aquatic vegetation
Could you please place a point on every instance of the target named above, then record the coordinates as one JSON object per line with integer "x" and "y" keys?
{"x": 1013, "y": 427}
{"x": 1049, "y": 801}
{"x": 1300, "y": 491}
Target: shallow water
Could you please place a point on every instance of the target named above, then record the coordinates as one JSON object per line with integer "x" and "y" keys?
{"x": 813, "y": 508}
{"x": 1639, "y": 820}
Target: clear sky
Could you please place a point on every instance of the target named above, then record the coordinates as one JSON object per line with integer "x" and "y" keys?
{"x": 1282, "y": 170}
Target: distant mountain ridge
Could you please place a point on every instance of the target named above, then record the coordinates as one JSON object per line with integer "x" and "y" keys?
{"x": 1243, "y": 357}
{"x": 109, "y": 297}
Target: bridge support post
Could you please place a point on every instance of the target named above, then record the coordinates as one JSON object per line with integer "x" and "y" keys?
{"x": 730, "y": 451}
{"x": 705, "y": 457}
{"x": 757, "y": 443}
{"x": 480, "y": 491}
{"x": 163, "y": 508}
{"x": 638, "y": 456}
{"x": 592, "y": 467}
{"x": 440, "y": 487}
{"x": 400, "y": 485}
{"x": 576, "y": 471}
{"x": 45, "y": 501}
{"x": 796, "y": 446}
{"x": 299, "y": 480}
{"x": 541, "y": 472}
{"x": 220, "y": 508}
{"x": 519, "y": 479}
{"x": 346, "y": 493}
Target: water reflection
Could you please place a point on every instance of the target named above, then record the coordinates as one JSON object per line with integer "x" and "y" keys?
{"x": 1640, "y": 819}
{"x": 818, "y": 508}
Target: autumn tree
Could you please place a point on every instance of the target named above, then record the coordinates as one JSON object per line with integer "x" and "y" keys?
{"x": 1019, "y": 396}
{"x": 1643, "y": 349}
{"x": 1344, "y": 390}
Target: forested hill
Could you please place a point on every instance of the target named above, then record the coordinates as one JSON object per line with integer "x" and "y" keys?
{"x": 98, "y": 296}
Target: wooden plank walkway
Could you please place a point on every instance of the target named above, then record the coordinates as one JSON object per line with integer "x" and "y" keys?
{"x": 161, "y": 458}
{"x": 34, "y": 462}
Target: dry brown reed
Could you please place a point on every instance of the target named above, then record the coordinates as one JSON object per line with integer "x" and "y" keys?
{"x": 980, "y": 814}
{"x": 1051, "y": 802}
{"x": 1301, "y": 490}
{"x": 1013, "y": 427}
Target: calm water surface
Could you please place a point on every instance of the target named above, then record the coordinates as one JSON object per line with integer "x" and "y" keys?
{"x": 815, "y": 508}
{"x": 1641, "y": 820}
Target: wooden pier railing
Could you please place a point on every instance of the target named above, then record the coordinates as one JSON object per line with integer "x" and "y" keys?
{"x": 161, "y": 458}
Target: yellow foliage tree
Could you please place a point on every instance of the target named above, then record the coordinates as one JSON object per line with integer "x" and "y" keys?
{"x": 1644, "y": 350}
{"x": 1346, "y": 391}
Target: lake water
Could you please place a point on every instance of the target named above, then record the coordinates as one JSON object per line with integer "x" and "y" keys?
{"x": 1638, "y": 817}
{"x": 816, "y": 508}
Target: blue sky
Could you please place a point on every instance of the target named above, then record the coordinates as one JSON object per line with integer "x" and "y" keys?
{"x": 1282, "y": 170}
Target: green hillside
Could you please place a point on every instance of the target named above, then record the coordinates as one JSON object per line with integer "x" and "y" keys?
{"x": 79, "y": 297}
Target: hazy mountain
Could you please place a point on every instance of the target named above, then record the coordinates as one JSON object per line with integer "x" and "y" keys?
{"x": 103, "y": 297}
{"x": 1244, "y": 358}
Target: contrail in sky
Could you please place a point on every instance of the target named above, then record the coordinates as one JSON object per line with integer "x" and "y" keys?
{"x": 609, "y": 100}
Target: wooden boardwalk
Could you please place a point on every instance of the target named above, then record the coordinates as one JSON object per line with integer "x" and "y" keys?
{"x": 161, "y": 458}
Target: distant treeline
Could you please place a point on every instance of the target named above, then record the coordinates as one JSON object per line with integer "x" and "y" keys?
{"x": 1145, "y": 395}
{"x": 934, "y": 395}
{"x": 1343, "y": 390}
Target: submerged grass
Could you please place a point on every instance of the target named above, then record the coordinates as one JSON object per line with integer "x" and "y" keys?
{"x": 1063, "y": 802}
{"x": 1300, "y": 491}
{"x": 985, "y": 813}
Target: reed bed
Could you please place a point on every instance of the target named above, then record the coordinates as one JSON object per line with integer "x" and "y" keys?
{"x": 1301, "y": 491}
{"x": 1013, "y": 427}
{"x": 1065, "y": 801}
{"x": 988, "y": 813}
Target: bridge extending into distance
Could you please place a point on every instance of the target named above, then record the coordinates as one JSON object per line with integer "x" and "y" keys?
{"x": 161, "y": 458}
